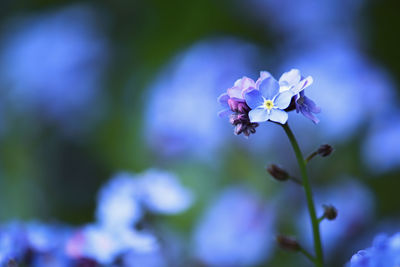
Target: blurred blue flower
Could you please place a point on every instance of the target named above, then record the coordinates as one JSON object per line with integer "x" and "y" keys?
{"x": 161, "y": 192}
{"x": 236, "y": 230}
{"x": 180, "y": 116}
{"x": 52, "y": 64}
{"x": 305, "y": 19}
{"x": 355, "y": 205}
{"x": 42, "y": 244}
{"x": 385, "y": 251}
{"x": 118, "y": 203}
{"x": 13, "y": 243}
{"x": 342, "y": 75}
{"x": 155, "y": 258}
{"x": 106, "y": 244}
{"x": 380, "y": 149}
{"x": 121, "y": 205}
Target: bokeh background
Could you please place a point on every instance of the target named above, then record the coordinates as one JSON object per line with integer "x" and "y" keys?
{"x": 92, "y": 89}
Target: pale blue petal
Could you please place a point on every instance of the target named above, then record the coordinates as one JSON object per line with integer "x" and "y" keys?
{"x": 278, "y": 115}
{"x": 282, "y": 101}
{"x": 253, "y": 98}
{"x": 263, "y": 75}
{"x": 290, "y": 78}
{"x": 258, "y": 115}
{"x": 302, "y": 85}
{"x": 269, "y": 88}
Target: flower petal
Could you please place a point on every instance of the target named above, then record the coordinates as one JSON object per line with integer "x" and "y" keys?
{"x": 311, "y": 105}
{"x": 235, "y": 92}
{"x": 263, "y": 75}
{"x": 278, "y": 115}
{"x": 302, "y": 85}
{"x": 306, "y": 112}
{"x": 254, "y": 99}
{"x": 290, "y": 78}
{"x": 223, "y": 99}
{"x": 283, "y": 99}
{"x": 245, "y": 82}
{"x": 258, "y": 115}
{"x": 269, "y": 88}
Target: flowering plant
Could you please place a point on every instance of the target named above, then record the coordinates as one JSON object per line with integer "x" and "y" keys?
{"x": 249, "y": 103}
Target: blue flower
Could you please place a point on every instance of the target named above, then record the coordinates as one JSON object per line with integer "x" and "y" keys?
{"x": 294, "y": 82}
{"x": 104, "y": 245}
{"x": 118, "y": 203}
{"x": 52, "y": 64}
{"x": 266, "y": 102}
{"x": 161, "y": 192}
{"x": 385, "y": 251}
{"x": 236, "y": 230}
{"x": 379, "y": 149}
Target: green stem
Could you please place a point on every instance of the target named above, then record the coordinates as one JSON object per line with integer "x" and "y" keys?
{"x": 310, "y": 203}
{"x": 308, "y": 255}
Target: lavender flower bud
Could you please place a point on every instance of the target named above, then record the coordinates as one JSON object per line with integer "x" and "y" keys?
{"x": 325, "y": 150}
{"x": 288, "y": 243}
{"x": 233, "y": 104}
{"x": 330, "y": 212}
{"x": 277, "y": 172}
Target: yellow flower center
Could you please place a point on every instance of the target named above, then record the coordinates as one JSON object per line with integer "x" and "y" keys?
{"x": 268, "y": 104}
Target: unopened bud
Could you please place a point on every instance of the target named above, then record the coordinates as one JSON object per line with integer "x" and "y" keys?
{"x": 325, "y": 150}
{"x": 277, "y": 172}
{"x": 330, "y": 212}
{"x": 288, "y": 243}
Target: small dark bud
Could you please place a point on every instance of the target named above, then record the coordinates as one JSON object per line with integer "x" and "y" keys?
{"x": 278, "y": 173}
{"x": 288, "y": 243}
{"x": 330, "y": 212}
{"x": 325, "y": 150}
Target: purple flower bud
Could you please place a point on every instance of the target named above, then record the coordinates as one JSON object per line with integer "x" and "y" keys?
{"x": 233, "y": 104}
{"x": 243, "y": 107}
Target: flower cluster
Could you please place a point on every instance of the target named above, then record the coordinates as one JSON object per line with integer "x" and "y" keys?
{"x": 385, "y": 251}
{"x": 249, "y": 103}
{"x": 113, "y": 237}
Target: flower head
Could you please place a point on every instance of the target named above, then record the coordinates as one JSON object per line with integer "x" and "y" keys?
{"x": 249, "y": 102}
{"x": 267, "y": 103}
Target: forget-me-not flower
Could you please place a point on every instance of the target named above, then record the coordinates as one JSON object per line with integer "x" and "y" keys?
{"x": 294, "y": 82}
{"x": 267, "y": 103}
